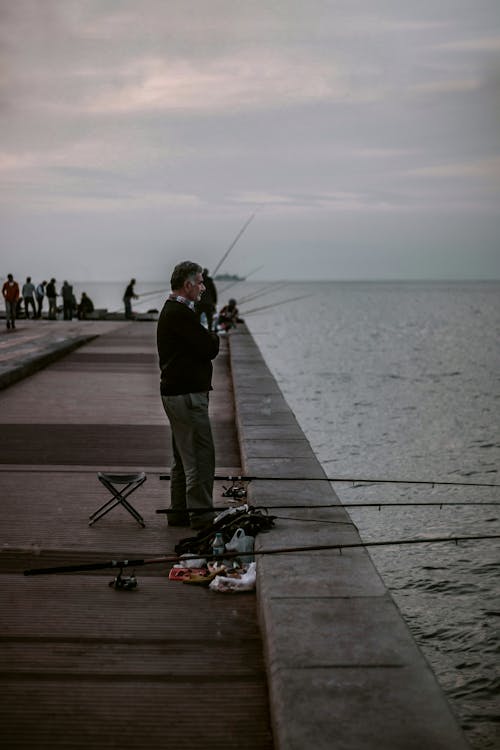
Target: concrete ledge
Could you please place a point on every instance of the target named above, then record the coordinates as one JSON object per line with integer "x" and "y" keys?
{"x": 358, "y": 708}
{"x": 39, "y": 359}
{"x": 343, "y": 669}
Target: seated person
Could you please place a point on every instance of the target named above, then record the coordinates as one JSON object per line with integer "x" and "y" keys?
{"x": 228, "y": 316}
{"x": 85, "y": 307}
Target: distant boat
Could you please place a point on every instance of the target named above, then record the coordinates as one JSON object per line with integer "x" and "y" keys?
{"x": 228, "y": 277}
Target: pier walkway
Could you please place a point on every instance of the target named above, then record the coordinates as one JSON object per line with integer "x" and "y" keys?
{"x": 83, "y": 665}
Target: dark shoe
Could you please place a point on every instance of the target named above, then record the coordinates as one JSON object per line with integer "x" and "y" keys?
{"x": 178, "y": 520}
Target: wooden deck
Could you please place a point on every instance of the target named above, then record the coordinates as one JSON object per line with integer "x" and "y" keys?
{"x": 84, "y": 665}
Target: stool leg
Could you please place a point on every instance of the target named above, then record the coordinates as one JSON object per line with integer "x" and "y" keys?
{"x": 132, "y": 487}
{"x": 112, "y": 501}
{"x": 108, "y": 505}
{"x": 119, "y": 498}
{"x": 133, "y": 512}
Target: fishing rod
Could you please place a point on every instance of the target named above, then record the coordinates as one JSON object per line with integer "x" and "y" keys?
{"x": 151, "y": 299}
{"x": 261, "y": 293}
{"x": 175, "y": 558}
{"x": 274, "y": 304}
{"x": 433, "y": 483}
{"x": 327, "y": 506}
{"x": 239, "y": 281}
{"x": 156, "y": 291}
{"x": 164, "y": 291}
{"x": 233, "y": 243}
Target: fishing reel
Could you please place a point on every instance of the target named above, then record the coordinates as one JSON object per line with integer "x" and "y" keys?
{"x": 236, "y": 491}
{"x": 124, "y": 583}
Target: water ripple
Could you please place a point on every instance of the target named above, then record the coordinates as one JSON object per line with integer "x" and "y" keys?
{"x": 401, "y": 380}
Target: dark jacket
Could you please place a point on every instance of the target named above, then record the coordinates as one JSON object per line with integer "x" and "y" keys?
{"x": 209, "y": 296}
{"x": 67, "y": 293}
{"x": 185, "y": 349}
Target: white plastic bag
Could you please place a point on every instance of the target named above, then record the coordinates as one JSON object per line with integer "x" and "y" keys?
{"x": 234, "y": 585}
{"x": 240, "y": 542}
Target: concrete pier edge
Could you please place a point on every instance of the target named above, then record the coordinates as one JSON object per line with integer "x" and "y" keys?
{"x": 343, "y": 668}
{"x": 40, "y": 359}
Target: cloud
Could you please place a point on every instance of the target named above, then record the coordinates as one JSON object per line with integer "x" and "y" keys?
{"x": 252, "y": 80}
{"x": 223, "y": 85}
{"x": 187, "y": 113}
{"x": 111, "y": 153}
{"x": 377, "y": 25}
{"x": 11, "y": 161}
{"x": 483, "y": 168}
{"x": 91, "y": 201}
{"x": 445, "y": 87}
{"x": 334, "y": 201}
{"x": 381, "y": 153}
{"x": 263, "y": 199}
{"x": 94, "y": 59}
{"x": 478, "y": 44}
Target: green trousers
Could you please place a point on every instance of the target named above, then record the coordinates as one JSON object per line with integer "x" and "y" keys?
{"x": 193, "y": 464}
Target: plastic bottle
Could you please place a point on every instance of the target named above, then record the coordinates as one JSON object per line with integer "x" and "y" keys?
{"x": 218, "y": 546}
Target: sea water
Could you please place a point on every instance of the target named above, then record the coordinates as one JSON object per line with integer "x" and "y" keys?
{"x": 400, "y": 381}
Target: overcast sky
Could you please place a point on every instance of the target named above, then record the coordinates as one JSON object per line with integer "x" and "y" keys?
{"x": 363, "y": 134}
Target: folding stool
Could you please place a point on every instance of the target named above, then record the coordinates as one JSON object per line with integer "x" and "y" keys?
{"x": 132, "y": 482}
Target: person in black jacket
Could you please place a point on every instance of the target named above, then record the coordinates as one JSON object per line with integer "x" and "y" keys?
{"x": 128, "y": 295}
{"x": 85, "y": 307}
{"x": 208, "y": 302}
{"x": 50, "y": 291}
{"x": 186, "y": 350}
{"x": 40, "y": 294}
{"x": 68, "y": 300}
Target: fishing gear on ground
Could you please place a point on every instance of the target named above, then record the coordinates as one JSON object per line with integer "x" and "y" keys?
{"x": 251, "y": 520}
{"x": 124, "y": 583}
{"x": 237, "y": 491}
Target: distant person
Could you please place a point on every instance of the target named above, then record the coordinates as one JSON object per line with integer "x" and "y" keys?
{"x": 10, "y": 291}
{"x": 208, "y": 301}
{"x": 186, "y": 350}
{"x": 50, "y": 291}
{"x": 29, "y": 297}
{"x": 40, "y": 294}
{"x": 85, "y": 307}
{"x": 128, "y": 296}
{"x": 68, "y": 299}
{"x": 229, "y": 316}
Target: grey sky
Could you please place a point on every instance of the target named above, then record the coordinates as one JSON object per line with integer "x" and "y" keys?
{"x": 364, "y": 135}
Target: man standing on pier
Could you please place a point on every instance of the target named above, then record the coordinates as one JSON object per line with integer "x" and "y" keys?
{"x": 186, "y": 350}
{"x": 128, "y": 296}
{"x": 51, "y": 293}
{"x": 208, "y": 302}
{"x": 40, "y": 294}
{"x": 29, "y": 297}
{"x": 10, "y": 291}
